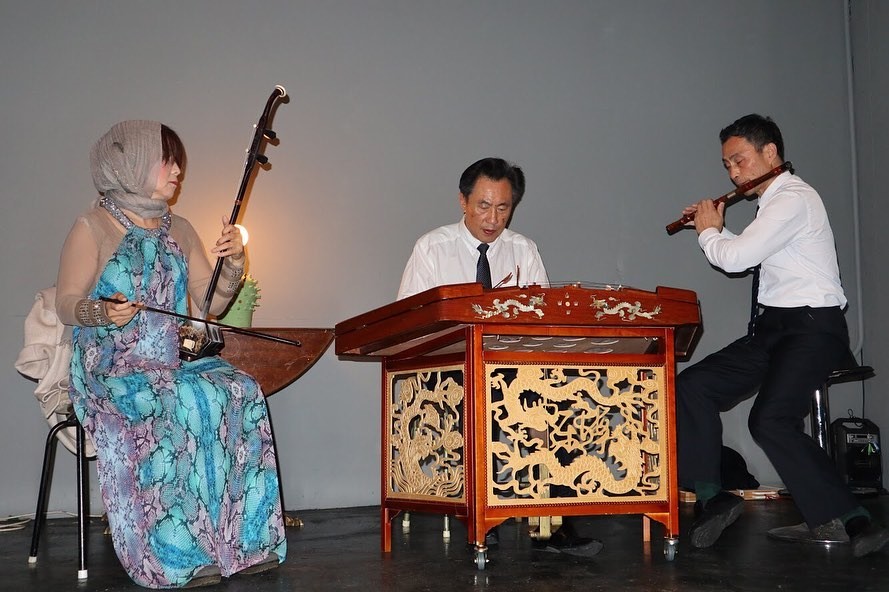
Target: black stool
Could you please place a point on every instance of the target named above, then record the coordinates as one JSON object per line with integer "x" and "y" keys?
{"x": 820, "y": 418}
{"x": 82, "y": 488}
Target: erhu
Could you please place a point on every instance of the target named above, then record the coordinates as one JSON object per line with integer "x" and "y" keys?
{"x": 199, "y": 337}
{"x": 740, "y": 190}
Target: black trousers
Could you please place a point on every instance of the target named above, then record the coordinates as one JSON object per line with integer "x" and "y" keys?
{"x": 791, "y": 353}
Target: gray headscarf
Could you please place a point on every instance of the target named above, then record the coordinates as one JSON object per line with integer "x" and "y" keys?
{"x": 125, "y": 164}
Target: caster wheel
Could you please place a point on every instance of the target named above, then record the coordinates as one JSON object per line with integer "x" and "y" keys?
{"x": 670, "y": 548}
{"x": 481, "y": 559}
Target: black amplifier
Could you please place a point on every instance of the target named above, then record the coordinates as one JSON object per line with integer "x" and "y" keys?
{"x": 856, "y": 448}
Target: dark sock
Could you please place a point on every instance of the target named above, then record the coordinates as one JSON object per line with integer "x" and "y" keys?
{"x": 859, "y": 511}
{"x": 705, "y": 491}
{"x": 856, "y": 520}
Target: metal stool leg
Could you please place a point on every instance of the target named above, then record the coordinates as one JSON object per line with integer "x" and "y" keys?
{"x": 43, "y": 493}
{"x": 82, "y": 510}
{"x": 820, "y": 419}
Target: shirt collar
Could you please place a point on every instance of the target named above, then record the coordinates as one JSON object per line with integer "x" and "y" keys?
{"x": 473, "y": 242}
{"x": 773, "y": 188}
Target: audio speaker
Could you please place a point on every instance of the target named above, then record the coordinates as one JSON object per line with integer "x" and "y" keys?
{"x": 856, "y": 448}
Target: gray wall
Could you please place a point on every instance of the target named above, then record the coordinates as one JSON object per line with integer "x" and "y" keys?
{"x": 612, "y": 108}
{"x": 870, "y": 21}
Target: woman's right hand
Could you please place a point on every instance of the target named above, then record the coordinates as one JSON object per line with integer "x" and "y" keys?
{"x": 121, "y": 311}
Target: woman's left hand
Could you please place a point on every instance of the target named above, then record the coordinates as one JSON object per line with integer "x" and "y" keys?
{"x": 230, "y": 244}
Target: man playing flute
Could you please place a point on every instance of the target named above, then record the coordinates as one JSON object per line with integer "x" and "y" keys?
{"x": 798, "y": 337}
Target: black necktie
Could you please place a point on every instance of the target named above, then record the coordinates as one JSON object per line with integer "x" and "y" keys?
{"x": 483, "y": 268}
{"x": 754, "y": 302}
{"x": 754, "y": 296}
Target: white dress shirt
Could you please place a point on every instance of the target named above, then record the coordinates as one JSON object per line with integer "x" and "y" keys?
{"x": 792, "y": 240}
{"x": 448, "y": 255}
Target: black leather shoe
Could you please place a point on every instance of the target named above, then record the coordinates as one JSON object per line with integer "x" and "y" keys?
{"x": 829, "y": 533}
{"x": 565, "y": 540}
{"x": 712, "y": 517}
{"x": 866, "y": 536}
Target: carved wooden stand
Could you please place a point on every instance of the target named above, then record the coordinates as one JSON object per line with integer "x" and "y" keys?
{"x": 528, "y": 402}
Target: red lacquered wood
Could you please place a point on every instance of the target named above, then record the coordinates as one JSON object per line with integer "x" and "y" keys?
{"x": 276, "y": 365}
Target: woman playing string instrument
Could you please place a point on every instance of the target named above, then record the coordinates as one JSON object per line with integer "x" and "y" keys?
{"x": 186, "y": 460}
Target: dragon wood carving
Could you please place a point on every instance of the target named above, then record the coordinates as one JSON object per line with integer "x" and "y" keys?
{"x": 547, "y": 416}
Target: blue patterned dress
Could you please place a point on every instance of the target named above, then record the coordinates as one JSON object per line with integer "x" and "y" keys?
{"x": 186, "y": 460}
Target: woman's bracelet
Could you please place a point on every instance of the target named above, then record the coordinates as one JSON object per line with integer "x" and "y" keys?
{"x": 232, "y": 275}
{"x": 91, "y": 313}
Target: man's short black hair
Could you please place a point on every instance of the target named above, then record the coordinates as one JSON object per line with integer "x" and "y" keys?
{"x": 756, "y": 129}
{"x": 494, "y": 169}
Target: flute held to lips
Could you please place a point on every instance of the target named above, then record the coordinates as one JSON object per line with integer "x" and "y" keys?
{"x": 742, "y": 189}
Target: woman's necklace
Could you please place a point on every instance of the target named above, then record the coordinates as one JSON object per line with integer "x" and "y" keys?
{"x": 125, "y": 221}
